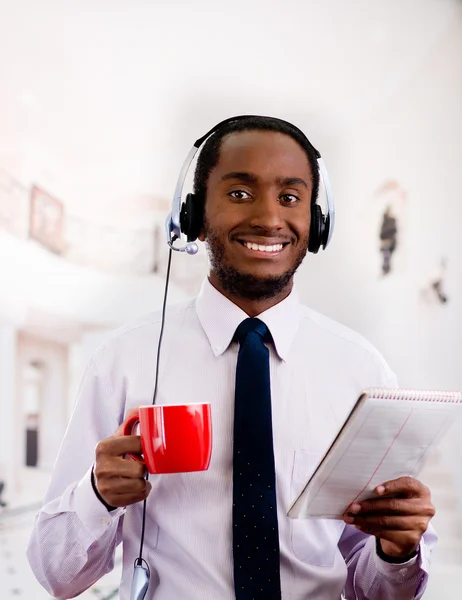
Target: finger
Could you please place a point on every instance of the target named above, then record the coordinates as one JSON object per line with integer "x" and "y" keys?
{"x": 119, "y": 467}
{"x": 122, "y": 485}
{"x": 130, "y": 413}
{"x": 121, "y": 500}
{"x": 119, "y": 446}
{"x": 408, "y": 486}
{"x": 403, "y": 506}
{"x": 391, "y": 522}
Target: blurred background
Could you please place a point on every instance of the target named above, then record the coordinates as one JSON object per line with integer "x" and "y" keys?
{"x": 100, "y": 102}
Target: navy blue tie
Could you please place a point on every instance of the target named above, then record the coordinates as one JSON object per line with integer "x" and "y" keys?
{"x": 255, "y": 523}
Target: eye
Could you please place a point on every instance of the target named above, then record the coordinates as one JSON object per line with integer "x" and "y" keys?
{"x": 239, "y": 195}
{"x": 289, "y": 199}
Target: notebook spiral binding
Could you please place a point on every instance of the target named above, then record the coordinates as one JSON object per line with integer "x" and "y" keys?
{"x": 416, "y": 395}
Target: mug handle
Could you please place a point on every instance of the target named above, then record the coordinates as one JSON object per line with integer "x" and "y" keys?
{"x": 128, "y": 427}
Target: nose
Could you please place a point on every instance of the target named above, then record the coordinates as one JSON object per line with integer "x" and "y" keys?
{"x": 267, "y": 213}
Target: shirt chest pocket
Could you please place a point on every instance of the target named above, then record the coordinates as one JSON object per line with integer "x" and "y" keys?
{"x": 313, "y": 541}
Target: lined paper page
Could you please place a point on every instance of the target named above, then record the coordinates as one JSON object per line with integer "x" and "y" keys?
{"x": 383, "y": 439}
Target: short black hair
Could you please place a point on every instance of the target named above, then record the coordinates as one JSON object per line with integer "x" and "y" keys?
{"x": 210, "y": 153}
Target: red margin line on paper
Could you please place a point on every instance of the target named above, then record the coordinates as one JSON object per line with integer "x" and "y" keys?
{"x": 384, "y": 456}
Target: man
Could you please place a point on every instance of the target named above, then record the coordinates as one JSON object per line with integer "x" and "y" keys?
{"x": 258, "y": 180}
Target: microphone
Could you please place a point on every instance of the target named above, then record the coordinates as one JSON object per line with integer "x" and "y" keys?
{"x": 190, "y": 248}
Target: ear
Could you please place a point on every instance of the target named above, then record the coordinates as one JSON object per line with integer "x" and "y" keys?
{"x": 201, "y": 236}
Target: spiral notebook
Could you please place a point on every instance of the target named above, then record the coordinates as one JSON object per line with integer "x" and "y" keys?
{"x": 390, "y": 433}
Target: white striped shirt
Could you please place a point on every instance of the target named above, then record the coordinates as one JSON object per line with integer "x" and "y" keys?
{"x": 318, "y": 368}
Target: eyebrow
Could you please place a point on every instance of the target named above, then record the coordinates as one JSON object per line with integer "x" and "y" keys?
{"x": 241, "y": 175}
{"x": 288, "y": 181}
{"x": 252, "y": 178}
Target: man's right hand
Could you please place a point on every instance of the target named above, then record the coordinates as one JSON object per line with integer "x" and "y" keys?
{"x": 120, "y": 480}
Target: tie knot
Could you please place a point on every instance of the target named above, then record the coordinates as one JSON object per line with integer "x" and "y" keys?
{"x": 251, "y": 326}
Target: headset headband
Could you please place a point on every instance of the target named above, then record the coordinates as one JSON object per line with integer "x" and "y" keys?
{"x": 172, "y": 224}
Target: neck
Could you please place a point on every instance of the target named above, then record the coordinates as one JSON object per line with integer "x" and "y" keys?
{"x": 252, "y": 308}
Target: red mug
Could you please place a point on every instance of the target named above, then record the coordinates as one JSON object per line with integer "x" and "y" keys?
{"x": 175, "y": 438}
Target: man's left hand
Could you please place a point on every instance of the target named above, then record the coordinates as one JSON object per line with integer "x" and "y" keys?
{"x": 398, "y": 521}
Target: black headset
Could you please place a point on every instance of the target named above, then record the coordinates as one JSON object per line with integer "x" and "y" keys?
{"x": 187, "y": 218}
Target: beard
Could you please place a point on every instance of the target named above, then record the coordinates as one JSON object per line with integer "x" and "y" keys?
{"x": 246, "y": 285}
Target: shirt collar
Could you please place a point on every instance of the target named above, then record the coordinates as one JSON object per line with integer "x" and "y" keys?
{"x": 220, "y": 318}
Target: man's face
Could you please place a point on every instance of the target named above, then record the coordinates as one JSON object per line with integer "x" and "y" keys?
{"x": 257, "y": 213}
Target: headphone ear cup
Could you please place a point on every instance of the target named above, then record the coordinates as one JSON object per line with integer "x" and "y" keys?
{"x": 317, "y": 229}
{"x": 191, "y": 217}
{"x": 326, "y": 229}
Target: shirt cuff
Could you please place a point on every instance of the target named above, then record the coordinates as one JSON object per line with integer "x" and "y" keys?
{"x": 403, "y": 572}
{"x": 94, "y": 516}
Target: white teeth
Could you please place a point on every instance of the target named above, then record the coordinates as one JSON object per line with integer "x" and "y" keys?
{"x": 262, "y": 248}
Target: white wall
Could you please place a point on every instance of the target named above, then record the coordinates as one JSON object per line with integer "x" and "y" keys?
{"x": 417, "y": 140}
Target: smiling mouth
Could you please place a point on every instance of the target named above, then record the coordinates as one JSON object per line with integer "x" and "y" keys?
{"x": 265, "y": 248}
